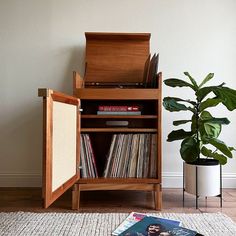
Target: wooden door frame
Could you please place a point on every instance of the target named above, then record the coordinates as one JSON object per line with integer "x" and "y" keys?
{"x": 49, "y": 96}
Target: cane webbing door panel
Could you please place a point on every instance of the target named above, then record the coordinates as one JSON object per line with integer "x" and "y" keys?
{"x": 61, "y": 136}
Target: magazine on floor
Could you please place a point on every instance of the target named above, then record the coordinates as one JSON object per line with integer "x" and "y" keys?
{"x": 135, "y": 217}
{"x": 153, "y": 226}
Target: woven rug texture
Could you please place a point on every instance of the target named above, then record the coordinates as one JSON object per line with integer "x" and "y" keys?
{"x": 102, "y": 224}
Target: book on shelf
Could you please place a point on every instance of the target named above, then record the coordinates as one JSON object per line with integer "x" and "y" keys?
{"x": 129, "y": 156}
{"x": 121, "y": 113}
{"x": 118, "y": 108}
{"x": 150, "y": 225}
{"x": 135, "y": 217}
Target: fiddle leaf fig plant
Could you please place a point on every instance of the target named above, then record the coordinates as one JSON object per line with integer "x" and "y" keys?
{"x": 203, "y": 137}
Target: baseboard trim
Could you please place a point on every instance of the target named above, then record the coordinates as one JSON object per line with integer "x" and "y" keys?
{"x": 169, "y": 180}
{"x": 20, "y": 180}
{"x": 175, "y": 180}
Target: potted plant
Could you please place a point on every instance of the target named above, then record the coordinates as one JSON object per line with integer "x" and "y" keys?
{"x": 201, "y": 146}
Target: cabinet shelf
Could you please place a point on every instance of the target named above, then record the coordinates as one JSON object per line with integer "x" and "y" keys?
{"x": 118, "y": 180}
{"x": 115, "y": 130}
{"x": 118, "y": 117}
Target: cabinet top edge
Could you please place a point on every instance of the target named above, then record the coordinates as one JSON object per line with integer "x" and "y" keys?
{"x": 117, "y": 36}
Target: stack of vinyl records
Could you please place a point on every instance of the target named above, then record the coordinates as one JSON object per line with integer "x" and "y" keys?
{"x": 132, "y": 155}
{"x": 87, "y": 158}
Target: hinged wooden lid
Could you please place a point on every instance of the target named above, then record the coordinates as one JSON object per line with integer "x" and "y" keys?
{"x": 116, "y": 57}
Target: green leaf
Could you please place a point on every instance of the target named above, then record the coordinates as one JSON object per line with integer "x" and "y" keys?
{"x": 189, "y": 149}
{"x": 210, "y": 127}
{"x": 207, "y": 128}
{"x": 208, "y": 77}
{"x": 208, "y": 153}
{"x": 205, "y": 115}
{"x": 182, "y": 100}
{"x": 212, "y": 130}
{"x": 177, "y": 83}
{"x": 221, "y": 158}
{"x": 203, "y": 92}
{"x": 222, "y": 121}
{"x": 178, "y": 135}
{"x": 228, "y": 97}
{"x": 220, "y": 145}
{"x": 171, "y": 104}
{"x": 193, "y": 81}
{"x": 180, "y": 122}
{"x": 210, "y": 102}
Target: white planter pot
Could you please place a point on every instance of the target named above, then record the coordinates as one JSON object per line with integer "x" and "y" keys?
{"x": 208, "y": 179}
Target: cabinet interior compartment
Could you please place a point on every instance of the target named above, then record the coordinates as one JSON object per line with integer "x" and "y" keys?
{"x": 147, "y": 107}
{"x": 129, "y": 155}
{"x": 118, "y": 123}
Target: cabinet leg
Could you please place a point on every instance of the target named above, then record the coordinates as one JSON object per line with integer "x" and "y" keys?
{"x": 158, "y": 197}
{"x": 75, "y": 197}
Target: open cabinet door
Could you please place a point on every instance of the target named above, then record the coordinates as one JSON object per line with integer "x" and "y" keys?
{"x": 61, "y": 134}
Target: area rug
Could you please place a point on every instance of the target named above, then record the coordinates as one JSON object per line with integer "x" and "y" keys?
{"x": 102, "y": 224}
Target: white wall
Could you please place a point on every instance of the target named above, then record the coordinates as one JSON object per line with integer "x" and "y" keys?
{"x": 42, "y": 42}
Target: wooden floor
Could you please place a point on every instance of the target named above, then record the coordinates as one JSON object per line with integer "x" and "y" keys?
{"x": 29, "y": 199}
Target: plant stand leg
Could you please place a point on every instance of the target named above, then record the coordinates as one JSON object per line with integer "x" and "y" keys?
{"x": 196, "y": 188}
{"x": 221, "y": 186}
{"x": 183, "y": 184}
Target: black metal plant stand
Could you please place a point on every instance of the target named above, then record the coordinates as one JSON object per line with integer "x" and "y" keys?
{"x": 220, "y": 195}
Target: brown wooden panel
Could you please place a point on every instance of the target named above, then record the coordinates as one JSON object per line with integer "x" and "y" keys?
{"x": 117, "y": 36}
{"x": 120, "y": 130}
{"x": 50, "y": 96}
{"x": 112, "y": 57}
{"x": 159, "y": 127}
{"x": 118, "y": 94}
{"x": 158, "y": 197}
{"x": 92, "y": 187}
{"x": 119, "y": 181}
